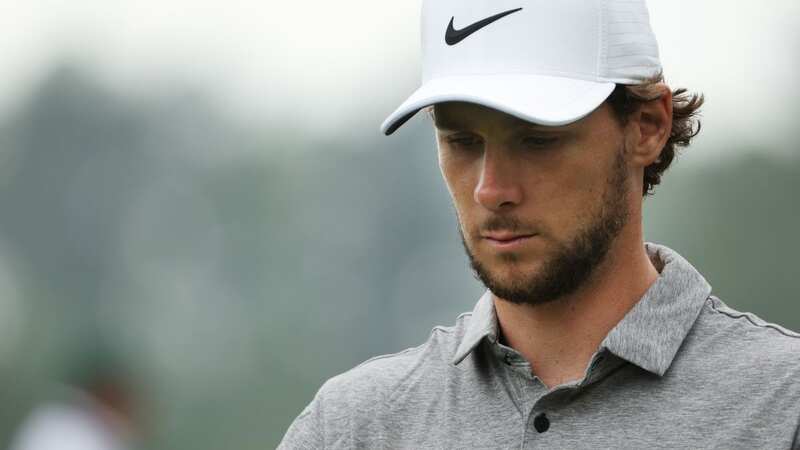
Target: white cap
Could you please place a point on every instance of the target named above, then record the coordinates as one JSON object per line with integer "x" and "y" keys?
{"x": 550, "y": 62}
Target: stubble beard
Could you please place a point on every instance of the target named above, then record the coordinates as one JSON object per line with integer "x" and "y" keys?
{"x": 574, "y": 263}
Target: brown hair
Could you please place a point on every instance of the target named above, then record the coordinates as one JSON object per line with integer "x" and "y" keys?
{"x": 626, "y": 99}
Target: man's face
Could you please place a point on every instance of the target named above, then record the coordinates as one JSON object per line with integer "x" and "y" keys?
{"x": 565, "y": 188}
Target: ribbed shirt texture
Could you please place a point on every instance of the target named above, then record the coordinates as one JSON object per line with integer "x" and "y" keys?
{"x": 680, "y": 370}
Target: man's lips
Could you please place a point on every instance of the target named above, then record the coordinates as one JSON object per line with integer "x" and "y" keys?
{"x": 507, "y": 241}
{"x": 504, "y": 237}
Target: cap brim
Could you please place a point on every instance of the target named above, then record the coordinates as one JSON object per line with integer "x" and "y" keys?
{"x": 544, "y": 100}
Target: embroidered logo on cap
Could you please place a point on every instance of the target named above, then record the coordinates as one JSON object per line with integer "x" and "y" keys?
{"x": 453, "y": 36}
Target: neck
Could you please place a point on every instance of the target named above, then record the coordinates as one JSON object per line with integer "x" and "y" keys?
{"x": 559, "y": 338}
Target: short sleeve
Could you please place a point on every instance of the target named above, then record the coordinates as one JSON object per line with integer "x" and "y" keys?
{"x": 306, "y": 431}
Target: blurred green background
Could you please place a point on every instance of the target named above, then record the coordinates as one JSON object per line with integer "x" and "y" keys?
{"x": 235, "y": 259}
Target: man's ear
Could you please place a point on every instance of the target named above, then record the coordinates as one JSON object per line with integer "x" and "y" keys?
{"x": 649, "y": 128}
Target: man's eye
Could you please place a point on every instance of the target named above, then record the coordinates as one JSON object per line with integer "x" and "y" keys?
{"x": 465, "y": 141}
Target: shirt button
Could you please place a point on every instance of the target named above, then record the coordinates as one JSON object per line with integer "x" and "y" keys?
{"x": 541, "y": 423}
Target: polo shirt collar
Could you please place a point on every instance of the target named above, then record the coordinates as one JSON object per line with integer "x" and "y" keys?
{"x": 482, "y": 325}
{"x": 650, "y": 333}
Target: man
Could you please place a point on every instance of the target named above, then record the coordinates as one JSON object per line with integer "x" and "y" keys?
{"x": 553, "y": 123}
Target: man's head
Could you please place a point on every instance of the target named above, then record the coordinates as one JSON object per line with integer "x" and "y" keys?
{"x": 570, "y": 189}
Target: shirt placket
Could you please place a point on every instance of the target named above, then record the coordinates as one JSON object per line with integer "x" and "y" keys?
{"x": 542, "y": 406}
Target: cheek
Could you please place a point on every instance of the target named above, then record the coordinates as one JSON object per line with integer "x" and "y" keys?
{"x": 574, "y": 195}
{"x": 580, "y": 192}
{"x": 562, "y": 191}
{"x": 461, "y": 183}
{"x": 458, "y": 175}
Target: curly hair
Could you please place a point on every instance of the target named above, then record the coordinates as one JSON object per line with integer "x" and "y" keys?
{"x": 626, "y": 100}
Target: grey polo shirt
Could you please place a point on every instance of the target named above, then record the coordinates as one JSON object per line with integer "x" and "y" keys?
{"x": 680, "y": 370}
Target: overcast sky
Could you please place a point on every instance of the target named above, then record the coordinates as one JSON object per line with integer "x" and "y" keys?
{"x": 351, "y": 62}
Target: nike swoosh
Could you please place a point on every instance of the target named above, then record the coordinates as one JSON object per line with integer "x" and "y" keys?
{"x": 453, "y": 36}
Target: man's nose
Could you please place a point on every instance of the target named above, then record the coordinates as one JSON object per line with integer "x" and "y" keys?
{"x": 498, "y": 185}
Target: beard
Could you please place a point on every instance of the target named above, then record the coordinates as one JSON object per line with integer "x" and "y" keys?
{"x": 574, "y": 262}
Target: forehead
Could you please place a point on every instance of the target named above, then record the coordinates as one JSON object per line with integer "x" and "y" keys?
{"x": 463, "y": 115}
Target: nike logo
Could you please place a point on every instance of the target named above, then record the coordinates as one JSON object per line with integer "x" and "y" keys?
{"x": 453, "y": 36}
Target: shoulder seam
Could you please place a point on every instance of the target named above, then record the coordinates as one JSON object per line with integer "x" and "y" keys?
{"x": 390, "y": 355}
{"x": 748, "y": 316}
{"x": 442, "y": 328}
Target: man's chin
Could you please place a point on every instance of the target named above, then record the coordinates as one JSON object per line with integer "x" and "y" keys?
{"x": 508, "y": 274}
{"x": 510, "y": 263}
